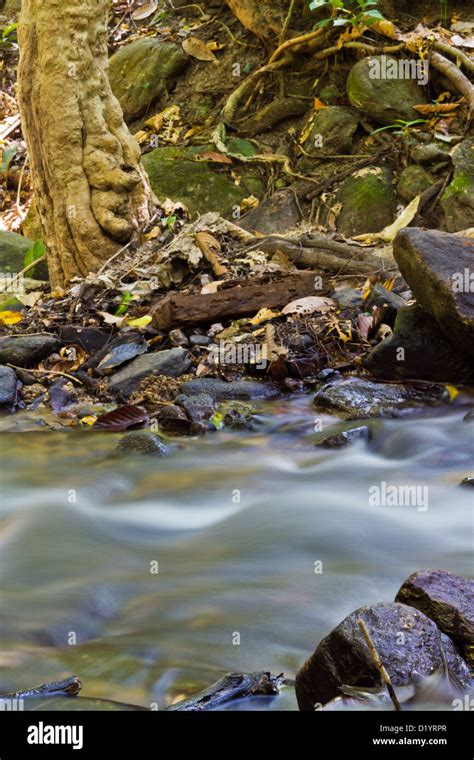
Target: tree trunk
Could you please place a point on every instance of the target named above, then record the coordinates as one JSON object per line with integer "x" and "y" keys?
{"x": 90, "y": 188}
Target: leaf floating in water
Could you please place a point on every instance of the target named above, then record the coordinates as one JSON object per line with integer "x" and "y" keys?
{"x": 121, "y": 418}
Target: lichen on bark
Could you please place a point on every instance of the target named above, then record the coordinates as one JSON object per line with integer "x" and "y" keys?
{"x": 91, "y": 191}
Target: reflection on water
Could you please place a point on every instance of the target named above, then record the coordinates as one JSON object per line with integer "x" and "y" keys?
{"x": 234, "y": 524}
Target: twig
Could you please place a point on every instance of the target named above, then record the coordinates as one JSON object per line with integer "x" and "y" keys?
{"x": 31, "y": 265}
{"x": 47, "y": 372}
{"x": 286, "y": 23}
{"x": 378, "y": 663}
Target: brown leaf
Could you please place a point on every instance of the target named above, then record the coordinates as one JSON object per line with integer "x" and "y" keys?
{"x": 217, "y": 158}
{"x": 121, "y": 418}
{"x": 428, "y": 109}
{"x": 144, "y": 11}
{"x": 198, "y": 49}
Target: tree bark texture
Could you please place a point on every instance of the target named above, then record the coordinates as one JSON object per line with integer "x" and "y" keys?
{"x": 90, "y": 188}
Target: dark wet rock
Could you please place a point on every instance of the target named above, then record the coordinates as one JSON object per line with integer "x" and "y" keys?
{"x": 368, "y": 202}
{"x": 469, "y": 417}
{"x": 407, "y": 641}
{"x": 355, "y": 398}
{"x": 220, "y": 390}
{"x": 198, "y": 408}
{"x": 173, "y": 419}
{"x": 417, "y": 350}
{"x": 90, "y": 338}
{"x": 140, "y": 72}
{"x": 467, "y": 482}
{"x": 8, "y": 385}
{"x": 380, "y": 296}
{"x": 344, "y": 437}
{"x": 274, "y": 215}
{"x": 448, "y": 600}
{"x": 178, "y": 338}
{"x": 179, "y": 174}
{"x": 379, "y": 98}
{"x": 24, "y": 350}
{"x": 438, "y": 267}
{"x": 199, "y": 340}
{"x": 332, "y": 132}
{"x": 413, "y": 181}
{"x": 457, "y": 200}
{"x": 143, "y": 443}
{"x": 348, "y": 297}
{"x": 328, "y": 373}
{"x": 238, "y": 415}
{"x": 172, "y": 363}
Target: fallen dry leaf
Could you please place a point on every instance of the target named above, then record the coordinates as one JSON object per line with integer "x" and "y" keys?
{"x": 198, "y": 49}
{"x": 309, "y": 305}
{"x": 144, "y": 11}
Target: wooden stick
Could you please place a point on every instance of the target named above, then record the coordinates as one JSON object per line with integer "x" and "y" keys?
{"x": 68, "y": 687}
{"x": 379, "y": 665}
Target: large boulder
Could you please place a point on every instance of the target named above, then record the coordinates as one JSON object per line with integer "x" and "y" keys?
{"x": 418, "y": 350}
{"x": 368, "y": 202}
{"x": 142, "y": 71}
{"x": 379, "y": 88}
{"x": 439, "y": 269}
{"x": 457, "y": 200}
{"x": 406, "y": 640}
{"x": 447, "y": 599}
{"x": 179, "y": 174}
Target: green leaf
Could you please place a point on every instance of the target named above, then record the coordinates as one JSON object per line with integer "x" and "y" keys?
{"x": 7, "y": 158}
{"x": 317, "y": 4}
{"x": 237, "y": 146}
{"x": 34, "y": 252}
{"x": 126, "y": 298}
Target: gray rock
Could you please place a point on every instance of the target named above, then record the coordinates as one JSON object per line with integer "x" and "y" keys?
{"x": 24, "y": 350}
{"x": 457, "y": 200}
{"x": 140, "y": 72}
{"x": 426, "y": 153}
{"x": 12, "y": 251}
{"x": 467, "y": 482}
{"x": 238, "y": 415}
{"x": 8, "y": 382}
{"x": 347, "y": 297}
{"x": 439, "y": 269}
{"x": 198, "y": 407}
{"x": 178, "y": 338}
{"x": 173, "y": 419}
{"x": 220, "y": 390}
{"x": 354, "y": 398}
{"x": 172, "y": 363}
{"x": 469, "y": 417}
{"x": 344, "y": 437}
{"x": 199, "y": 340}
{"x": 368, "y": 202}
{"x": 332, "y": 131}
{"x": 382, "y": 99}
{"x": 143, "y": 443}
{"x": 417, "y": 350}
{"x": 407, "y": 641}
{"x": 448, "y": 600}
{"x": 413, "y": 181}
{"x": 275, "y": 214}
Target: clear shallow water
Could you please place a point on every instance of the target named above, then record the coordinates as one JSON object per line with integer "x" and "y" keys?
{"x": 236, "y": 522}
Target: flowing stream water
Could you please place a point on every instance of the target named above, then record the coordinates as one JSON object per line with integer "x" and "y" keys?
{"x": 262, "y": 542}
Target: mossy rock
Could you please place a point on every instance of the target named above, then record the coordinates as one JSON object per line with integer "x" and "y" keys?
{"x": 413, "y": 181}
{"x": 381, "y": 98}
{"x": 13, "y": 248}
{"x": 176, "y": 173}
{"x": 140, "y": 72}
{"x": 458, "y": 199}
{"x": 368, "y": 202}
{"x": 333, "y": 130}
